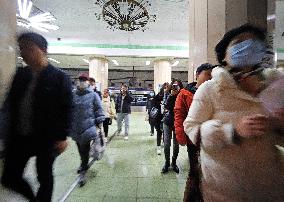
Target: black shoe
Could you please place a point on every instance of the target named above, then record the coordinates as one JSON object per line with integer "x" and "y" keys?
{"x": 165, "y": 169}
{"x": 82, "y": 180}
{"x": 82, "y": 169}
{"x": 175, "y": 168}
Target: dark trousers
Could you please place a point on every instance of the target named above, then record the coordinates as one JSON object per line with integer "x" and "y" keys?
{"x": 152, "y": 127}
{"x": 168, "y": 135}
{"x": 158, "y": 127}
{"x": 84, "y": 150}
{"x": 193, "y": 160}
{"x": 19, "y": 151}
{"x": 105, "y": 125}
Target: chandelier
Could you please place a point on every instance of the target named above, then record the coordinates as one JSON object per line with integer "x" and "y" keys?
{"x": 40, "y": 20}
{"x": 127, "y": 15}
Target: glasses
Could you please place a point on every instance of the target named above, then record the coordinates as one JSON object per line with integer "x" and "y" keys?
{"x": 241, "y": 75}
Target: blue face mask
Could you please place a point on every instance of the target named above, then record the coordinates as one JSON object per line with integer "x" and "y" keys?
{"x": 247, "y": 53}
{"x": 152, "y": 94}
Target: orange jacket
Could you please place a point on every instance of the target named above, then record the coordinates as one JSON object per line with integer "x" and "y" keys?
{"x": 183, "y": 102}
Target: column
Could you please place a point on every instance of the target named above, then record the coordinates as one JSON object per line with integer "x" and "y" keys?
{"x": 98, "y": 69}
{"x": 209, "y": 20}
{"x": 7, "y": 45}
{"x": 162, "y": 73}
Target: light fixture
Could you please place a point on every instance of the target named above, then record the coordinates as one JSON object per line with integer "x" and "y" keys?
{"x": 53, "y": 60}
{"x": 175, "y": 63}
{"x": 275, "y": 57}
{"x": 40, "y": 21}
{"x": 148, "y": 62}
{"x": 20, "y": 58}
{"x": 127, "y": 15}
{"x": 86, "y": 61}
{"x": 115, "y": 62}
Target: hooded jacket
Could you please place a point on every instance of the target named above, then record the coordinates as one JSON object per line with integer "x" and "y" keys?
{"x": 88, "y": 113}
{"x": 251, "y": 170}
{"x": 182, "y": 104}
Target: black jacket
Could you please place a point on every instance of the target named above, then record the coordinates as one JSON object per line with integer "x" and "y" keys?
{"x": 170, "y": 105}
{"x": 126, "y": 107}
{"x": 52, "y": 104}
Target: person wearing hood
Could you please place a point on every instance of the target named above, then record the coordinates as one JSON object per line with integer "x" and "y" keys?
{"x": 87, "y": 120}
{"x": 237, "y": 135}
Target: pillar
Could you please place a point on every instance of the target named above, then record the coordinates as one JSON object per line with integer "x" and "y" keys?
{"x": 162, "y": 73}
{"x": 98, "y": 69}
{"x": 7, "y": 45}
{"x": 209, "y": 20}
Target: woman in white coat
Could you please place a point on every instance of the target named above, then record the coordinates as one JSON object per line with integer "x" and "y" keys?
{"x": 238, "y": 154}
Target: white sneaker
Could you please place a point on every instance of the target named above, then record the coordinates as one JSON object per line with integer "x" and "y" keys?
{"x": 126, "y": 138}
{"x": 159, "y": 152}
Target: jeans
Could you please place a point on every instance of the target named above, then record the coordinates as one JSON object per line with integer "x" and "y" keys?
{"x": 120, "y": 118}
{"x": 19, "y": 151}
{"x": 168, "y": 134}
{"x": 84, "y": 150}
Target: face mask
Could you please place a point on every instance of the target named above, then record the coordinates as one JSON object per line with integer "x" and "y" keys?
{"x": 151, "y": 94}
{"x": 247, "y": 53}
{"x": 83, "y": 85}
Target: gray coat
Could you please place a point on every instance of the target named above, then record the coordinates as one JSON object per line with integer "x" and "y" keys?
{"x": 88, "y": 113}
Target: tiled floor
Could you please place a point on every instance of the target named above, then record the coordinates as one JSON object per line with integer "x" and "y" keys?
{"x": 129, "y": 171}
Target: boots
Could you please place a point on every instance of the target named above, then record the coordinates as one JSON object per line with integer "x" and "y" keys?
{"x": 174, "y": 165}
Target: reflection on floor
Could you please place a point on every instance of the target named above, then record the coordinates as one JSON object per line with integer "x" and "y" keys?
{"x": 129, "y": 171}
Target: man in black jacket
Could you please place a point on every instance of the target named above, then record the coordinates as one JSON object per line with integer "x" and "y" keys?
{"x": 123, "y": 109}
{"x": 38, "y": 110}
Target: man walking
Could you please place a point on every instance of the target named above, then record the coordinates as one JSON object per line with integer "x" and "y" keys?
{"x": 123, "y": 109}
{"x": 38, "y": 107}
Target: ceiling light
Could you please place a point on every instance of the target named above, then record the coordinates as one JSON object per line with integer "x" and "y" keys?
{"x": 20, "y": 58}
{"x": 53, "y": 60}
{"x": 39, "y": 21}
{"x": 175, "y": 64}
{"x": 86, "y": 61}
{"x": 127, "y": 15}
{"x": 115, "y": 62}
{"x": 148, "y": 62}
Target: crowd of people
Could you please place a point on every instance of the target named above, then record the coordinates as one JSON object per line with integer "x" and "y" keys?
{"x": 223, "y": 119}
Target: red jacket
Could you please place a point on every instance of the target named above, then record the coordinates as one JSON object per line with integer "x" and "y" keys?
{"x": 183, "y": 102}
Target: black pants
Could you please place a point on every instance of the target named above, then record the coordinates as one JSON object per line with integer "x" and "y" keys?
{"x": 193, "y": 160}
{"x": 169, "y": 133}
{"x": 105, "y": 125}
{"x": 84, "y": 150}
{"x": 19, "y": 151}
{"x": 158, "y": 127}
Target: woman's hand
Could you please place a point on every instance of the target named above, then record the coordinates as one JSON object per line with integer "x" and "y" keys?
{"x": 252, "y": 126}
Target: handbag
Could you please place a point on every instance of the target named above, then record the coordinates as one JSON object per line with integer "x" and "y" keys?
{"x": 154, "y": 113}
{"x": 98, "y": 145}
{"x": 194, "y": 193}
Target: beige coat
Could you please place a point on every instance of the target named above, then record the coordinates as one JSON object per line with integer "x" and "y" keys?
{"x": 107, "y": 106}
{"x": 249, "y": 171}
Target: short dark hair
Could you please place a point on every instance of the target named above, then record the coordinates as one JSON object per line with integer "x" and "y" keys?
{"x": 222, "y": 46}
{"x": 92, "y": 79}
{"x": 124, "y": 85}
{"x": 37, "y": 39}
{"x": 204, "y": 67}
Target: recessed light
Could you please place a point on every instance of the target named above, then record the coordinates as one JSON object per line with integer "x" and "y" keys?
{"x": 53, "y": 60}
{"x": 86, "y": 61}
{"x": 176, "y": 63}
{"x": 115, "y": 62}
